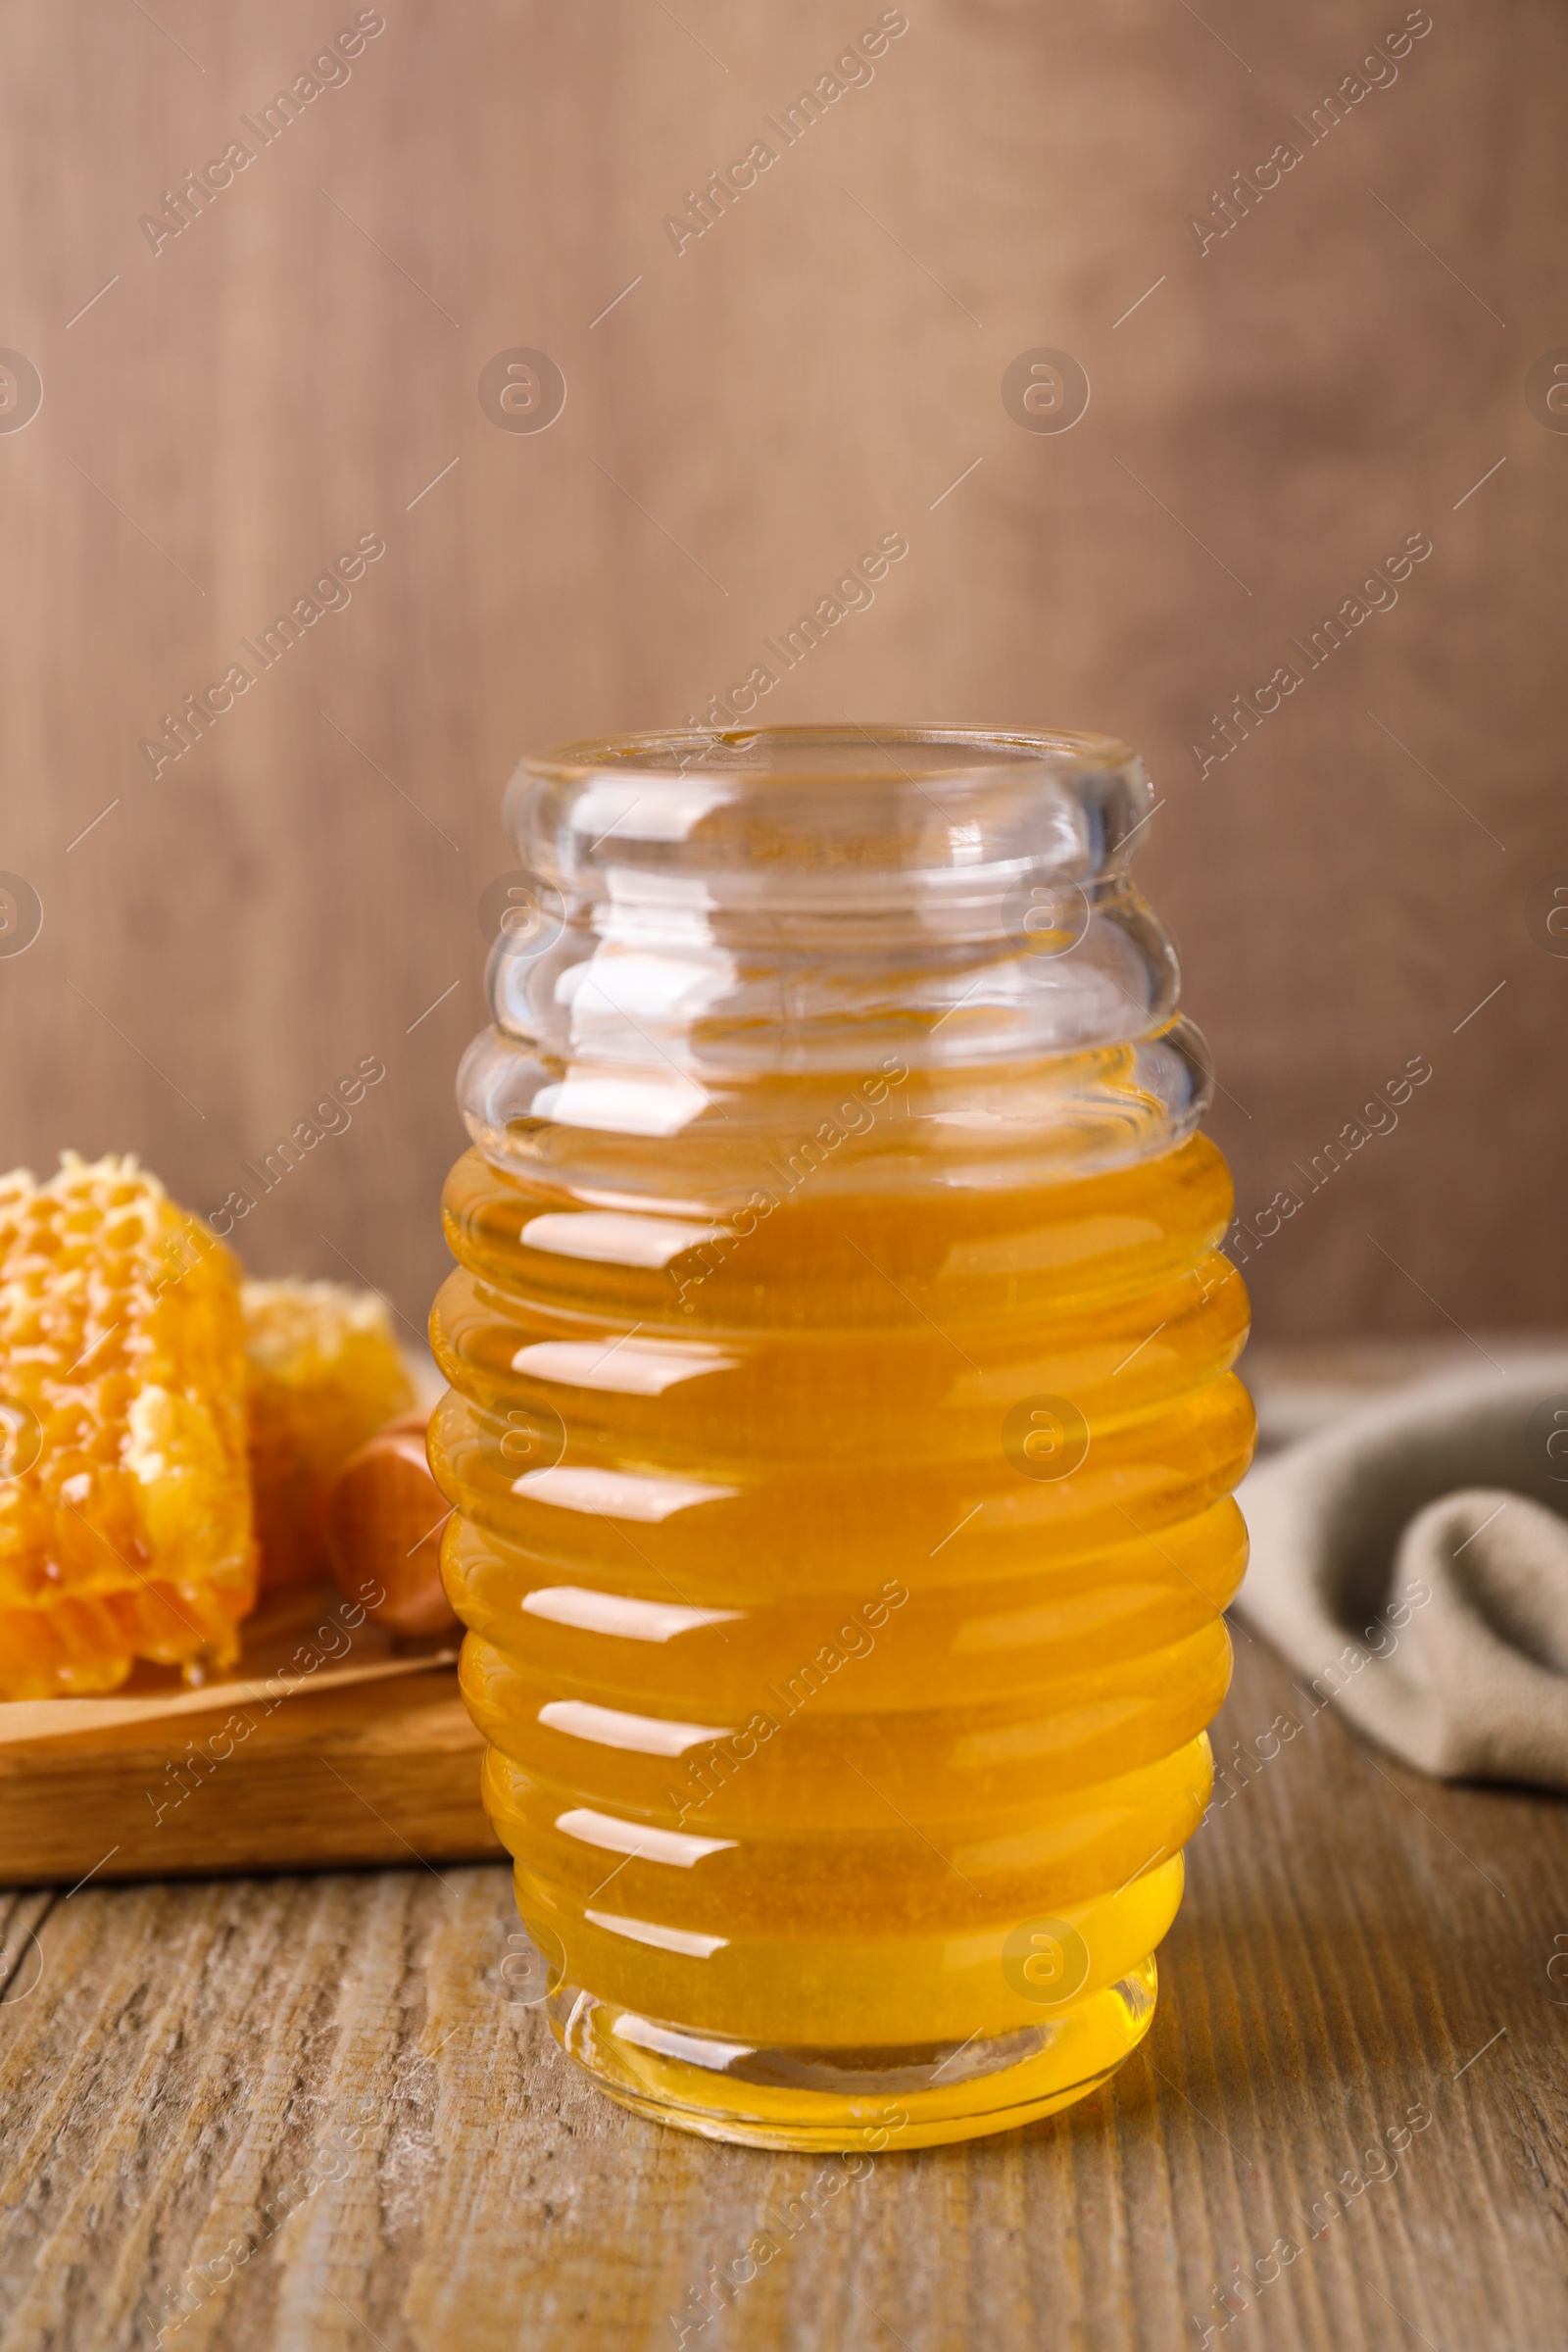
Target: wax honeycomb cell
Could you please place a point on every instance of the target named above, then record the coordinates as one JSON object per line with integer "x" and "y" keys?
{"x": 124, "y": 1500}
{"x": 324, "y": 1375}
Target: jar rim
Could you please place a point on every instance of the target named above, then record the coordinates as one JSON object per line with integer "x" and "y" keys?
{"x": 895, "y": 757}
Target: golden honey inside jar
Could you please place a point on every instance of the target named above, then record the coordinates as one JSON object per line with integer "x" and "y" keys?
{"x": 842, "y": 1425}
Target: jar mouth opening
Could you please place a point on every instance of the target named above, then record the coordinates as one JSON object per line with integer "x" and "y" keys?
{"x": 861, "y": 756}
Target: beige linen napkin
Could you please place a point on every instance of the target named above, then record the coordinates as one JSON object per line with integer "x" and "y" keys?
{"x": 1411, "y": 1563}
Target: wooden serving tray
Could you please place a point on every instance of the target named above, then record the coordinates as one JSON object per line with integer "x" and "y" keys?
{"x": 370, "y": 1757}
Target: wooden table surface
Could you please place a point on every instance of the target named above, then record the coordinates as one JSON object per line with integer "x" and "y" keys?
{"x": 314, "y": 2112}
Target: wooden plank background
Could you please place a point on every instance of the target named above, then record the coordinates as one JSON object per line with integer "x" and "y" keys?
{"x": 342, "y": 2078}
{"x": 300, "y": 366}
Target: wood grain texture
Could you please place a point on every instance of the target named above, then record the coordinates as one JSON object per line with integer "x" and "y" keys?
{"x": 345, "y": 2051}
{"x": 301, "y": 365}
{"x": 375, "y": 1773}
{"x": 329, "y": 1741}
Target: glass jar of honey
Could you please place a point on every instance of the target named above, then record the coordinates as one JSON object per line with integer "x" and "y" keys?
{"x": 842, "y": 1426}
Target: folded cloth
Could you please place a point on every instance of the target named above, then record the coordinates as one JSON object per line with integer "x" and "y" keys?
{"x": 1411, "y": 1562}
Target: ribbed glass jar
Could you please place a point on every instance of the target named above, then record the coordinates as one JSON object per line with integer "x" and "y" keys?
{"x": 842, "y": 1427}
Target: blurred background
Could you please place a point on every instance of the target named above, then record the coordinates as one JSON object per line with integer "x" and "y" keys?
{"x": 270, "y": 267}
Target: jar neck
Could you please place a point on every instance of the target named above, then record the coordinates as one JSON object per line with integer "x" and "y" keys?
{"x": 962, "y": 899}
{"x": 819, "y": 836}
{"x": 711, "y": 919}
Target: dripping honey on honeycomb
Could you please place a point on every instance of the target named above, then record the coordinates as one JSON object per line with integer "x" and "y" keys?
{"x": 125, "y": 1498}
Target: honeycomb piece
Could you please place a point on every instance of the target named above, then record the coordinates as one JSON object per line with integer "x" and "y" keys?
{"x": 326, "y": 1374}
{"x": 124, "y": 1503}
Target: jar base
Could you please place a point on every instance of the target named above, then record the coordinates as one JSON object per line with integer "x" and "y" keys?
{"x": 831, "y": 2099}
